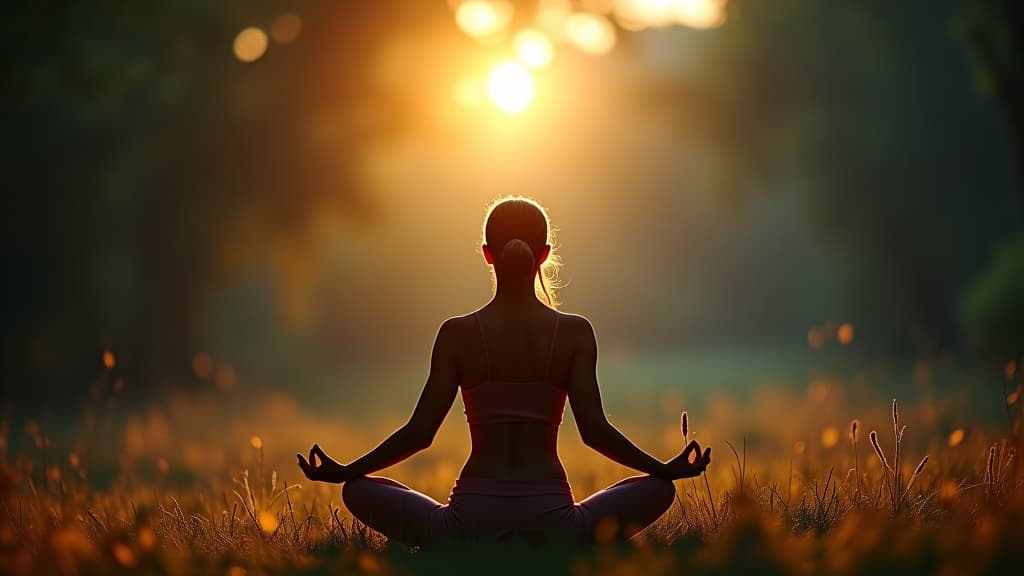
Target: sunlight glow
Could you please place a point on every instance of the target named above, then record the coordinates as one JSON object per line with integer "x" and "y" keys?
{"x": 250, "y": 44}
{"x": 552, "y": 15}
{"x": 597, "y": 6}
{"x": 639, "y": 14}
{"x": 483, "y": 20}
{"x": 510, "y": 87}
{"x": 590, "y": 33}
{"x": 468, "y": 93}
{"x": 700, "y": 13}
{"x": 534, "y": 48}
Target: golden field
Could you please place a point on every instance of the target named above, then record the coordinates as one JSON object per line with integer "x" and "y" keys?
{"x": 206, "y": 484}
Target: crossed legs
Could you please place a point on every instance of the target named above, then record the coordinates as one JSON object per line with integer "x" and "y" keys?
{"x": 413, "y": 518}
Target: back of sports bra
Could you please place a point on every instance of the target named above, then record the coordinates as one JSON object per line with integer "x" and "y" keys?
{"x": 494, "y": 401}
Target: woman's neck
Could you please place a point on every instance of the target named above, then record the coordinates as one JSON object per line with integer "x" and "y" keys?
{"x": 515, "y": 292}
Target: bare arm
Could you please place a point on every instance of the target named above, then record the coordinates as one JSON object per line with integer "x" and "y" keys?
{"x": 599, "y": 434}
{"x": 415, "y": 435}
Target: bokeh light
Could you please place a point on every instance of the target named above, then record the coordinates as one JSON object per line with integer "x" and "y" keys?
{"x": 591, "y": 33}
{"x": 286, "y": 28}
{"x": 268, "y": 521}
{"x": 202, "y": 365}
{"x": 639, "y": 14}
{"x": 510, "y": 87}
{"x": 552, "y": 15}
{"x": 700, "y": 13}
{"x": 815, "y": 338}
{"x": 830, "y": 437}
{"x": 483, "y": 20}
{"x": 534, "y": 48}
{"x": 845, "y": 333}
{"x": 250, "y": 44}
{"x": 956, "y": 437}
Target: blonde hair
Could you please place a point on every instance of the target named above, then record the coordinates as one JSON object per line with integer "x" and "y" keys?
{"x": 517, "y": 228}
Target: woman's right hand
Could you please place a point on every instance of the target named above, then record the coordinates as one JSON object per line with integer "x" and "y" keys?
{"x": 683, "y": 467}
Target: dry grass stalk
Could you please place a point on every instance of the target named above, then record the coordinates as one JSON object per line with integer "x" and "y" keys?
{"x": 917, "y": 473}
{"x": 856, "y": 457}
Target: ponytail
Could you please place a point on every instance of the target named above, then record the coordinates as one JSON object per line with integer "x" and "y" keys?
{"x": 517, "y": 258}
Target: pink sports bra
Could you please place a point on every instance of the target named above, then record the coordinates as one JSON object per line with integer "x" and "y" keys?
{"x": 494, "y": 401}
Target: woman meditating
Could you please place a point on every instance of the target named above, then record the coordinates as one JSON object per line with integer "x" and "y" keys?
{"x": 516, "y": 360}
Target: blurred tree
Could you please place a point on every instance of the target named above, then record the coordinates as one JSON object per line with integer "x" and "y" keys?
{"x": 994, "y": 31}
{"x": 994, "y": 304}
{"x": 148, "y": 163}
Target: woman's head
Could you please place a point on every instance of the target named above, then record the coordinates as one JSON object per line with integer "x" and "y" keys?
{"x": 517, "y": 241}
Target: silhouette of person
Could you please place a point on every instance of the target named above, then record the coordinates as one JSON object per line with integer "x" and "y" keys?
{"x": 516, "y": 361}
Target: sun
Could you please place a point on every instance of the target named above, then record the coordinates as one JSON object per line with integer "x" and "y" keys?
{"x": 510, "y": 87}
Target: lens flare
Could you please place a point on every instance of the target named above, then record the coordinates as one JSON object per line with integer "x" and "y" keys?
{"x": 483, "y": 20}
{"x": 534, "y": 48}
{"x": 701, "y": 14}
{"x": 510, "y": 87}
{"x": 640, "y": 14}
{"x": 590, "y": 33}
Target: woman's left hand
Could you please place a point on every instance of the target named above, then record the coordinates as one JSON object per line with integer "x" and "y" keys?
{"x": 329, "y": 470}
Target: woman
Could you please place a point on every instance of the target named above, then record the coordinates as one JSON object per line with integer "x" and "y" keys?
{"x": 516, "y": 361}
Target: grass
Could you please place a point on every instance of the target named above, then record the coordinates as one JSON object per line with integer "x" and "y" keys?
{"x": 185, "y": 490}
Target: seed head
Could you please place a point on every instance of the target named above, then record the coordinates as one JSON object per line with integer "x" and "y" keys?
{"x": 878, "y": 450}
{"x": 853, "y": 429}
{"x": 990, "y": 474}
{"x": 685, "y": 426}
{"x": 920, "y": 466}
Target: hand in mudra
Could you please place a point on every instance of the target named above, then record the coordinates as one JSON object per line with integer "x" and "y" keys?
{"x": 689, "y": 463}
{"x": 329, "y": 470}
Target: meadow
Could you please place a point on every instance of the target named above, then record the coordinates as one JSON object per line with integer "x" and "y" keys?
{"x": 826, "y": 474}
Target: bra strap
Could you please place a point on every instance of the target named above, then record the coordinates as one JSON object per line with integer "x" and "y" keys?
{"x": 483, "y": 340}
{"x": 551, "y": 352}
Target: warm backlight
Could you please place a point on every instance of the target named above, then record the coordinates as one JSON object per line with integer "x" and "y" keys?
{"x": 700, "y": 13}
{"x": 483, "y": 20}
{"x": 510, "y": 87}
{"x": 590, "y": 33}
{"x": 534, "y": 48}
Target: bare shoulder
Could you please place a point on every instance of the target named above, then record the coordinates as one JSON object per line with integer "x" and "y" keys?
{"x": 577, "y": 328}
{"x": 455, "y": 326}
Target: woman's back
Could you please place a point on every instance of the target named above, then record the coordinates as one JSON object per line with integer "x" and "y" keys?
{"x": 514, "y": 364}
